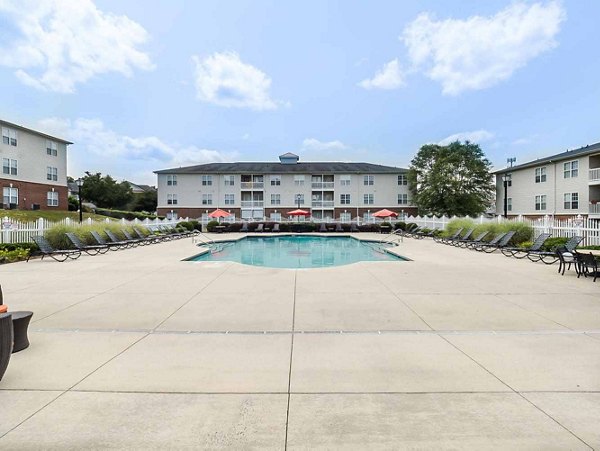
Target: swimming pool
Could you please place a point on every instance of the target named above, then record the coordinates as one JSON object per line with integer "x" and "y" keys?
{"x": 298, "y": 251}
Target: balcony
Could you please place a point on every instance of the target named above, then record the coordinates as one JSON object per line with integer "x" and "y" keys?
{"x": 594, "y": 176}
{"x": 595, "y": 208}
{"x": 252, "y": 203}
{"x": 322, "y": 204}
{"x": 252, "y": 185}
{"x": 323, "y": 185}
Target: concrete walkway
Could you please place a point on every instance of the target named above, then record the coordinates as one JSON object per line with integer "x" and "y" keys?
{"x": 138, "y": 349}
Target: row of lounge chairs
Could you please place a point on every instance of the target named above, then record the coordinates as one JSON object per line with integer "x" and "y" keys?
{"x": 113, "y": 243}
{"x": 499, "y": 242}
{"x": 322, "y": 228}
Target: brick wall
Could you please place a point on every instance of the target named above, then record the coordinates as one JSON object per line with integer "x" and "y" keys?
{"x": 37, "y": 193}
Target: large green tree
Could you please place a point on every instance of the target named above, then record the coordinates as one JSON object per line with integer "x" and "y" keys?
{"x": 451, "y": 180}
{"x": 105, "y": 192}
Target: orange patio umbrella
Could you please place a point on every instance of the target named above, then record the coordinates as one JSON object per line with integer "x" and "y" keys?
{"x": 298, "y": 213}
{"x": 218, "y": 213}
{"x": 385, "y": 213}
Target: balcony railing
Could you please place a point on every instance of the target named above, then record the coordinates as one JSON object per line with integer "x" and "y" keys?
{"x": 323, "y": 185}
{"x": 253, "y": 203}
{"x": 595, "y": 208}
{"x": 252, "y": 185}
{"x": 322, "y": 203}
{"x": 594, "y": 175}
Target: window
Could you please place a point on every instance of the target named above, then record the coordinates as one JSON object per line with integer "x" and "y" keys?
{"x": 368, "y": 199}
{"x": 571, "y": 201}
{"x": 368, "y": 180}
{"x": 345, "y": 199}
{"x": 52, "y": 173}
{"x": 402, "y": 199}
{"x": 509, "y": 204}
{"x": 229, "y": 180}
{"x": 171, "y": 180}
{"x": 571, "y": 169}
{"x": 299, "y": 180}
{"x": 275, "y": 199}
{"x": 540, "y": 175}
{"x": 10, "y": 196}
{"x": 344, "y": 180}
{"x": 51, "y": 149}
{"x": 207, "y": 199}
{"x": 299, "y": 198}
{"x": 402, "y": 180}
{"x": 229, "y": 199}
{"x": 171, "y": 199}
{"x": 9, "y": 136}
{"x": 9, "y": 166}
{"x": 345, "y": 217}
{"x": 52, "y": 198}
{"x": 276, "y": 216}
{"x": 275, "y": 180}
{"x": 540, "y": 202}
{"x": 206, "y": 180}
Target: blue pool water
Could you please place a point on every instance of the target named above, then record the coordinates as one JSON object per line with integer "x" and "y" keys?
{"x": 298, "y": 251}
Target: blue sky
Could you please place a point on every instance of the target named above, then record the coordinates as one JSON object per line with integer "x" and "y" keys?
{"x": 140, "y": 88}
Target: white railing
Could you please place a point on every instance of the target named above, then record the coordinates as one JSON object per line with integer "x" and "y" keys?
{"x": 13, "y": 231}
{"x": 594, "y": 175}
{"x": 252, "y": 185}
{"x": 323, "y": 185}
{"x": 595, "y": 209}
{"x": 252, "y": 203}
{"x": 323, "y": 203}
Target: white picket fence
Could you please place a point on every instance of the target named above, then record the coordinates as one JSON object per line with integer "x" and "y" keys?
{"x": 15, "y": 231}
{"x": 19, "y": 232}
{"x": 588, "y": 228}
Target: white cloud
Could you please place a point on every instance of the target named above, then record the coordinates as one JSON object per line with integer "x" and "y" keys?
{"x": 476, "y": 136}
{"x": 388, "y": 77}
{"x": 100, "y": 149}
{"x": 62, "y": 43}
{"x": 479, "y": 52}
{"x": 223, "y": 79}
{"x": 312, "y": 144}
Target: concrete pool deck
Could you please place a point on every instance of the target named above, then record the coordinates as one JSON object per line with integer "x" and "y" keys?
{"x": 455, "y": 349}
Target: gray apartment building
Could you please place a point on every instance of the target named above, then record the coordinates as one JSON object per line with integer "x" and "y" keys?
{"x": 269, "y": 190}
{"x": 561, "y": 185}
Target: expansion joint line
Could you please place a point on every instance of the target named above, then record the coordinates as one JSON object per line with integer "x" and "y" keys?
{"x": 289, "y": 390}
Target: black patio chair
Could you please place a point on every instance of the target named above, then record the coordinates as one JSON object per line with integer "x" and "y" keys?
{"x": 6, "y": 341}
{"x": 152, "y": 238}
{"x": 115, "y": 239}
{"x": 551, "y": 257}
{"x": 566, "y": 258}
{"x": 338, "y": 227}
{"x": 519, "y": 252}
{"x": 322, "y": 228}
{"x": 587, "y": 265}
{"x": 502, "y": 243}
{"x": 354, "y": 228}
{"x": 276, "y": 228}
{"x": 447, "y": 239}
{"x": 462, "y": 239}
{"x": 244, "y": 228}
{"x": 260, "y": 228}
{"x": 113, "y": 246}
{"x": 93, "y": 249}
{"x": 478, "y": 239}
{"x": 60, "y": 255}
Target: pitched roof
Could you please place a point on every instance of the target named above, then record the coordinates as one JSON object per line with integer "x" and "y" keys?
{"x": 278, "y": 168}
{"x": 54, "y": 138}
{"x": 568, "y": 155}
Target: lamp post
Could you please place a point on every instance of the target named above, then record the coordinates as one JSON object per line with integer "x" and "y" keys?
{"x": 506, "y": 178}
{"x": 298, "y": 198}
{"x": 79, "y": 185}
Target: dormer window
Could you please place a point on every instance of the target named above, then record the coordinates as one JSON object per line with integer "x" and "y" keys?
{"x": 289, "y": 158}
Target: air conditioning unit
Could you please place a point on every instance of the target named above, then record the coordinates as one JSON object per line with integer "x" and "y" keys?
{"x": 35, "y": 206}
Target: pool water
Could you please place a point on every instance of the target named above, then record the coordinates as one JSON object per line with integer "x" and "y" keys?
{"x": 298, "y": 251}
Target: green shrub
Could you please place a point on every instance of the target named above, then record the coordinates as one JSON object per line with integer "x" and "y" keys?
{"x": 525, "y": 244}
{"x": 411, "y": 226}
{"x": 523, "y": 231}
{"x": 14, "y": 255}
{"x": 187, "y": 225}
{"x": 375, "y": 228}
{"x": 400, "y": 225}
{"x": 591, "y": 248}
{"x": 552, "y": 243}
{"x": 211, "y": 225}
{"x": 31, "y": 247}
{"x": 196, "y": 225}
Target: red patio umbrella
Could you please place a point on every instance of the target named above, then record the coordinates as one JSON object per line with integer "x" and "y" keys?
{"x": 298, "y": 213}
{"x": 385, "y": 213}
{"x": 218, "y": 213}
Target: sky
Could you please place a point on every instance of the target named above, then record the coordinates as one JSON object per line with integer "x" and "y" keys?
{"x": 141, "y": 86}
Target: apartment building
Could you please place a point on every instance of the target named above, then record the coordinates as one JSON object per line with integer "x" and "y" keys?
{"x": 329, "y": 190}
{"x": 562, "y": 185}
{"x": 34, "y": 169}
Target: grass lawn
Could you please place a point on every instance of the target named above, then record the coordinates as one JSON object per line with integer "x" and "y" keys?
{"x": 32, "y": 215}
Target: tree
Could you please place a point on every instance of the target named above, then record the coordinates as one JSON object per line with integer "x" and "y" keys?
{"x": 451, "y": 180}
{"x": 147, "y": 201}
{"x": 105, "y": 192}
